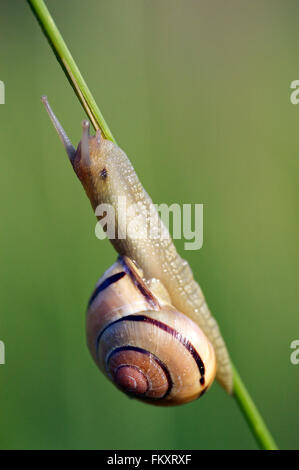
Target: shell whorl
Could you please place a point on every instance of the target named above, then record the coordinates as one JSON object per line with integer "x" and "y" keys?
{"x": 142, "y": 344}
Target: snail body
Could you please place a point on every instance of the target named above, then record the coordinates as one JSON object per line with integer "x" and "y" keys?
{"x": 107, "y": 174}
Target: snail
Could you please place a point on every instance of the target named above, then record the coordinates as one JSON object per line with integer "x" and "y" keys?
{"x": 149, "y": 328}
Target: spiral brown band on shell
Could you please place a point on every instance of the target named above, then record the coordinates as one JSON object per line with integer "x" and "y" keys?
{"x": 126, "y": 383}
{"x": 138, "y": 372}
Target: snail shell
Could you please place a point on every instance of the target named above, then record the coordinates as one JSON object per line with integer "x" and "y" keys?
{"x": 142, "y": 344}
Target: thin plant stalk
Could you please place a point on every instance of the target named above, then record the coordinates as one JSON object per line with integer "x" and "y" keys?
{"x": 70, "y": 68}
{"x": 240, "y": 393}
{"x": 252, "y": 415}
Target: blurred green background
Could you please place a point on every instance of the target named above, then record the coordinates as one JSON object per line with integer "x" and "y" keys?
{"x": 198, "y": 95}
